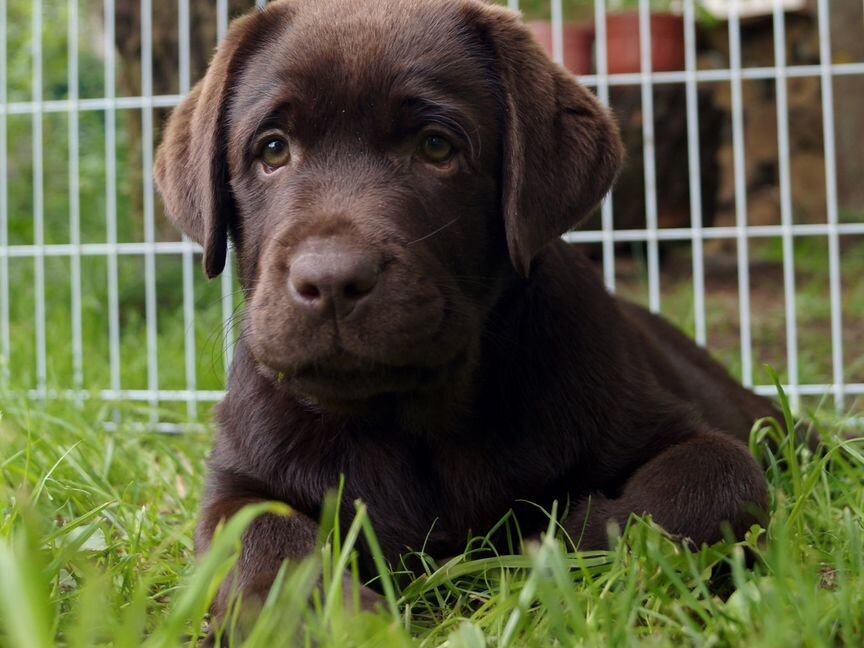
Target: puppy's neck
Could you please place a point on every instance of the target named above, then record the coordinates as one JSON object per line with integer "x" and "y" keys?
{"x": 437, "y": 414}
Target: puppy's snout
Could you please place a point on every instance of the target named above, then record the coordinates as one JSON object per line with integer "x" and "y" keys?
{"x": 332, "y": 278}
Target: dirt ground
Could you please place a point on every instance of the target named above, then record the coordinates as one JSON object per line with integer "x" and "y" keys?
{"x": 767, "y": 307}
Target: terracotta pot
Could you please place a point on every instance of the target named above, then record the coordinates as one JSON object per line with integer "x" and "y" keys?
{"x": 577, "y": 40}
{"x": 623, "y": 42}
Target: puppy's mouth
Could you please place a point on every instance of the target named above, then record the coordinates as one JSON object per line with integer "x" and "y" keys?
{"x": 345, "y": 382}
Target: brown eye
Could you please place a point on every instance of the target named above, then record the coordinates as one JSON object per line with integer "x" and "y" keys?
{"x": 437, "y": 149}
{"x": 275, "y": 154}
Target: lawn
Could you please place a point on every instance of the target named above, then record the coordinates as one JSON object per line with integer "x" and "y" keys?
{"x": 96, "y": 549}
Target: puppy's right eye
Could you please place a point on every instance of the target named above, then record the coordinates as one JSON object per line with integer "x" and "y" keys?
{"x": 275, "y": 154}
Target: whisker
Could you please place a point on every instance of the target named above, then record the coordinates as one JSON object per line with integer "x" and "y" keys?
{"x": 432, "y": 233}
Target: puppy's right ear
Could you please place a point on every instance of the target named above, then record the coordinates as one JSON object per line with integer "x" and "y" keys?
{"x": 191, "y": 165}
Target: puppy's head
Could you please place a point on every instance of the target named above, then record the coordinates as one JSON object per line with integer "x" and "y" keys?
{"x": 384, "y": 169}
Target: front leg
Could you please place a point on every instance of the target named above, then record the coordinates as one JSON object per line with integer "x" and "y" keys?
{"x": 268, "y": 542}
{"x": 695, "y": 489}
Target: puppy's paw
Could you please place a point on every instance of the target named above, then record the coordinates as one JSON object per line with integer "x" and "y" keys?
{"x": 209, "y": 641}
{"x": 359, "y": 598}
{"x": 591, "y": 523}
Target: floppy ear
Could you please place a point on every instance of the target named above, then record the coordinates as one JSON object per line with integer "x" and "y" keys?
{"x": 191, "y": 168}
{"x": 561, "y": 147}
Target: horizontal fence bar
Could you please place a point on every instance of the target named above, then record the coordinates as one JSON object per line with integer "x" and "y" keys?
{"x": 160, "y": 428}
{"x": 632, "y": 78}
{"x": 199, "y": 428}
{"x": 83, "y": 105}
{"x": 587, "y": 236}
{"x": 212, "y": 396}
{"x": 850, "y": 389}
{"x": 102, "y": 249}
{"x": 168, "y": 395}
{"x": 686, "y": 233}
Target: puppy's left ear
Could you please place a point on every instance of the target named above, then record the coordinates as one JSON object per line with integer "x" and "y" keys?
{"x": 561, "y": 148}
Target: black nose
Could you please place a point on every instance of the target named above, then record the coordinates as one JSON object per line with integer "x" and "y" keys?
{"x": 331, "y": 277}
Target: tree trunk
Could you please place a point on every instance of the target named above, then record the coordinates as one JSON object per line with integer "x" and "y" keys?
{"x": 166, "y": 71}
{"x": 847, "y": 23}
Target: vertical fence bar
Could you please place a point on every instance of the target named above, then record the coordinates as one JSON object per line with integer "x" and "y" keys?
{"x": 783, "y": 152}
{"x": 75, "y": 200}
{"x": 5, "y": 345}
{"x": 834, "y": 269}
{"x": 149, "y": 210}
{"x": 647, "y": 83}
{"x": 513, "y": 4}
{"x": 111, "y": 195}
{"x": 740, "y": 195}
{"x": 221, "y": 19}
{"x": 695, "y": 172}
{"x": 38, "y": 200}
{"x": 188, "y": 267}
{"x": 557, "y": 31}
{"x": 602, "y": 65}
{"x": 228, "y": 314}
{"x": 228, "y": 274}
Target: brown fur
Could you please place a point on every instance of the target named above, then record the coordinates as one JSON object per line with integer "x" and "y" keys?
{"x": 419, "y": 327}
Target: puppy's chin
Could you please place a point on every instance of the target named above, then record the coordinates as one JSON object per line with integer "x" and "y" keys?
{"x": 348, "y": 385}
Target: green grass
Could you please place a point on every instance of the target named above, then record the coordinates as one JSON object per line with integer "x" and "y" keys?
{"x": 96, "y": 550}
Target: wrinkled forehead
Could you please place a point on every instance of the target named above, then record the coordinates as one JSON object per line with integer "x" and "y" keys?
{"x": 348, "y": 56}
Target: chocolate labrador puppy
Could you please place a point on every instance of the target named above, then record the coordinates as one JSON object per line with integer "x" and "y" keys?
{"x": 395, "y": 176}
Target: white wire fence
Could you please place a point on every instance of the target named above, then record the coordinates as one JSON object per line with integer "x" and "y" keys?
{"x": 100, "y": 300}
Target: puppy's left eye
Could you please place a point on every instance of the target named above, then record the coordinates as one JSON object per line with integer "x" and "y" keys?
{"x": 437, "y": 149}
